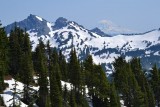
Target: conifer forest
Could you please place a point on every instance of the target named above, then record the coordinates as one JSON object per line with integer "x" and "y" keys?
{"x": 47, "y": 68}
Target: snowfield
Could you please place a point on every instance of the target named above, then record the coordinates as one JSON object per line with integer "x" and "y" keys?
{"x": 65, "y": 35}
{"x": 8, "y": 92}
{"x": 104, "y": 49}
{"x": 8, "y": 103}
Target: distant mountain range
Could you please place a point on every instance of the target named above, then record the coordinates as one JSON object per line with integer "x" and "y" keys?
{"x": 111, "y": 28}
{"x": 104, "y": 48}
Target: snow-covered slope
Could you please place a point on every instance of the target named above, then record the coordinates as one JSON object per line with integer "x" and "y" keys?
{"x": 8, "y": 92}
{"x": 65, "y": 35}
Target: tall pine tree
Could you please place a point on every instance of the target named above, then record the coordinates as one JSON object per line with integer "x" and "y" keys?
{"x": 114, "y": 97}
{"x": 155, "y": 84}
{"x": 27, "y": 68}
{"x": 142, "y": 82}
{"x": 63, "y": 66}
{"x": 74, "y": 70}
{"x": 126, "y": 84}
{"x": 55, "y": 92}
{"x": 42, "y": 69}
{"x": 3, "y": 56}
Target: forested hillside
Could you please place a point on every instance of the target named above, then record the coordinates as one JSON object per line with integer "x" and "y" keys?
{"x": 129, "y": 85}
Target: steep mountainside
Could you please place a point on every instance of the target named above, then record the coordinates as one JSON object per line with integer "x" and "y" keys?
{"x": 65, "y": 35}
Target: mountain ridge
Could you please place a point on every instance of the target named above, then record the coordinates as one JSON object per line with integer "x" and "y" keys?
{"x": 65, "y": 35}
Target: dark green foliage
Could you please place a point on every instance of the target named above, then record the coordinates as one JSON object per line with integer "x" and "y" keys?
{"x": 88, "y": 66}
{"x": 114, "y": 97}
{"x": 101, "y": 82}
{"x": 20, "y": 62}
{"x": 74, "y": 70}
{"x": 63, "y": 66}
{"x": 150, "y": 96}
{"x": 83, "y": 78}
{"x": 97, "y": 83}
{"x": 55, "y": 93}
{"x": 15, "y": 50}
{"x": 72, "y": 100}
{"x": 80, "y": 100}
{"x": 142, "y": 82}
{"x": 3, "y": 56}
{"x": 77, "y": 78}
{"x": 120, "y": 75}
{"x": 54, "y": 61}
{"x": 54, "y": 78}
{"x": 101, "y": 90}
{"x": 54, "y": 56}
{"x": 3, "y": 60}
{"x": 48, "y": 102}
{"x": 2, "y": 102}
{"x": 42, "y": 70}
{"x": 55, "y": 88}
{"x": 155, "y": 84}
{"x": 65, "y": 96}
{"x": 27, "y": 68}
{"x": 58, "y": 76}
{"x": 127, "y": 85}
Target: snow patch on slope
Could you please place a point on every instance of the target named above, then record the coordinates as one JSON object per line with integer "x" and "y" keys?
{"x": 8, "y": 102}
{"x": 49, "y": 26}
{"x": 39, "y": 18}
{"x": 8, "y": 92}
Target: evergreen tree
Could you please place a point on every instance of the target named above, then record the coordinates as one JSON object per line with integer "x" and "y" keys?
{"x": 155, "y": 83}
{"x": 15, "y": 50}
{"x": 97, "y": 83}
{"x": 42, "y": 69}
{"x": 63, "y": 66}
{"x": 72, "y": 100}
{"x": 55, "y": 56}
{"x": 54, "y": 78}
{"x": 21, "y": 58}
{"x": 55, "y": 93}
{"x": 3, "y": 56}
{"x": 14, "y": 89}
{"x": 58, "y": 76}
{"x": 48, "y": 102}
{"x": 114, "y": 97}
{"x": 101, "y": 87}
{"x": 126, "y": 84}
{"x": 65, "y": 96}
{"x": 27, "y": 68}
{"x": 83, "y": 78}
{"x": 49, "y": 57}
{"x": 88, "y": 67}
{"x": 74, "y": 70}
{"x": 142, "y": 82}
{"x": 150, "y": 97}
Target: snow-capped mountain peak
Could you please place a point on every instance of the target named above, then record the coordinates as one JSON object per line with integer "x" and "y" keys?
{"x": 32, "y": 23}
{"x": 111, "y": 28}
{"x": 60, "y": 22}
{"x": 34, "y": 17}
{"x": 65, "y": 35}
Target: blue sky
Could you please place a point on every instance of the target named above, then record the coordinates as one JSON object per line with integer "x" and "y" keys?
{"x": 137, "y": 15}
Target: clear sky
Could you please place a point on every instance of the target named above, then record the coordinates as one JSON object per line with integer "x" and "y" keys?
{"x": 138, "y": 15}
